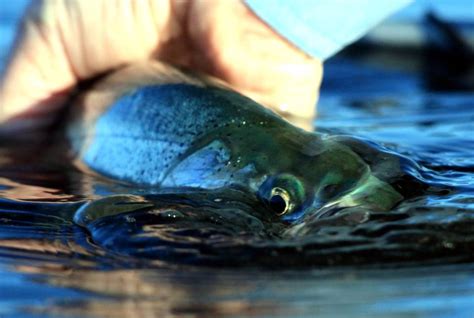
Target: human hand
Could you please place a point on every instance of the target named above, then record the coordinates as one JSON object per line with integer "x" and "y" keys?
{"x": 62, "y": 43}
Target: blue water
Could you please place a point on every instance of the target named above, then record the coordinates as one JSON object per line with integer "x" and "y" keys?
{"x": 50, "y": 269}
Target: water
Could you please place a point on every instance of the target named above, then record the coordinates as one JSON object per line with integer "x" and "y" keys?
{"x": 194, "y": 261}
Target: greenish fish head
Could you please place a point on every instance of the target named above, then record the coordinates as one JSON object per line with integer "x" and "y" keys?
{"x": 317, "y": 176}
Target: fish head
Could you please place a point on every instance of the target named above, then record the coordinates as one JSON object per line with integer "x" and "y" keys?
{"x": 319, "y": 176}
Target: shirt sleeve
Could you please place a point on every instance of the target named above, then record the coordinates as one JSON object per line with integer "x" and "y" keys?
{"x": 323, "y": 27}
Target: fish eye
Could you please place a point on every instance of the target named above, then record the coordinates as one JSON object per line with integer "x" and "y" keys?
{"x": 282, "y": 194}
{"x": 279, "y": 201}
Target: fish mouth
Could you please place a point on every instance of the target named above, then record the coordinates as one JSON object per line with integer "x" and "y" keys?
{"x": 321, "y": 211}
{"x": 328, "y": 210}
{"x": 316, "y": 210}
{"x": 343, "y": 211}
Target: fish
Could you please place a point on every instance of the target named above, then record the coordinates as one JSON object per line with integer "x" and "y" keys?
{"x": 156, "y": 126}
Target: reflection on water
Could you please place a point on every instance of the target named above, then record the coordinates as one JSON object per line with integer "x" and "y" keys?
{"x": 175, "y": 292}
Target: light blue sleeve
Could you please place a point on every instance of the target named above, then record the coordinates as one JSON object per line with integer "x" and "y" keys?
{"x": 323, "y": 27}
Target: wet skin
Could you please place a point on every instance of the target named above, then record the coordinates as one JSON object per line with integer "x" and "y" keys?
{"x": 153, "y": 126}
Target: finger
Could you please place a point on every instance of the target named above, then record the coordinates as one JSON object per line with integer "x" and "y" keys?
{"x": 38, "y": 72}
{"x": 241, "y": 49}
{"x": 63, "y": 42}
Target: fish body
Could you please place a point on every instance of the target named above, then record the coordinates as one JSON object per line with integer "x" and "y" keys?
{"x": 155, "y": 126}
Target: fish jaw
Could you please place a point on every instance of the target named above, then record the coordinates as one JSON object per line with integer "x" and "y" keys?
{"x": 374, "y": 193}
{"x": 370, "y": 195}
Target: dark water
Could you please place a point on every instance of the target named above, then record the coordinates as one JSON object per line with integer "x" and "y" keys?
{"x": 198, "y": 254}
